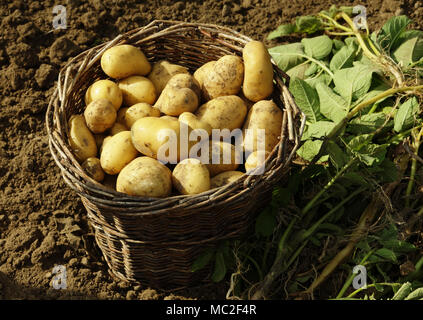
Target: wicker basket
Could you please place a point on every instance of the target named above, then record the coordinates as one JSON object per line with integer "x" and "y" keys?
{"x": 155, "y": 241}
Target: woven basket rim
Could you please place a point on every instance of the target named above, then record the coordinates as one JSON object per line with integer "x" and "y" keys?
{"x": 112, "y": 198}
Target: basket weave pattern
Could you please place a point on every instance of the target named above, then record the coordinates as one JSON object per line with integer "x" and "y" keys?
{"x": 155, "y": 241}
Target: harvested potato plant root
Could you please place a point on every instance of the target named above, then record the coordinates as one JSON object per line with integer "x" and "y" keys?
{"x": 137, "y": 89}
{"x": 93, "y": 168}
{"x": 224, "y": 178}
{"x": 162, "y": 72}
{"x": 123, "y": 61}
{"x": 81, "y": 139}
{"x": 100, "y": 115}
{"x": 104, "y": 89}
{"x": 138, "y": 111}
{"x": 145, "y": 177}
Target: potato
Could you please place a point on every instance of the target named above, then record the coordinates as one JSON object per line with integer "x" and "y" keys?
{"x": 100, "y": 115}
{"x": 190, "y": 176}
{"x": 117, "y": 127}
{"x": 258, "y": 75}
{"x": 256, "y": 159}
{"x": 121, "y": 115}
{"x": 224, "y": 178}
{"x": 159, "y": 138}
{"x": 266, "y": 115}
{"x": 226, "y": 112}
{"x": 224, "y": 79}
{"x": 117, "y": 153}
{"x": 93, "y": 168}
{"x": 191, "y": 120}
{"x": 124, "y": 60}
{"x": 162, "y": 72}
{"x": 81, "y": 139}
{"x": 138, "y": 111}
{"x": 201, "y": 72}
{"x": 145, "y": 177}
{"x": 169, "y": 118}
{"x": 104, "y": 89}
{"x": 137, "y": 89}
{"x": 181, "y": 94}
{"x": 105, "y": 140}
{"x": 223, "y": 156}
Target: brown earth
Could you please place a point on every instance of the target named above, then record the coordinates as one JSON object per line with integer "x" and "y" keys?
{"x": 42, "y": 222}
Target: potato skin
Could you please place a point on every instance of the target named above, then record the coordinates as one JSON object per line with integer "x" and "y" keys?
{"x": 117, "y": 152}
{"x": 201, "y": 72}
{"x": 225, "y": 78}
{"x": 190, "y": 176}
{"x": 226, "y": 112}
{"x": 258, "y": 76}
{"x": 136, "y": 89}
{"x": 224, "y": 178}
{"x": 255, "y": 159}
{"x": 100, "y": 115}
{"x": 124, "y": 60}
{"x": 138, "y": 111}
{"x": 220, "y": 148}
{"x": 93, "y": 168}
{"x": 191, "y": 120}
{"x": 121, "y": 115}
{"x": 117, "y": 127}
{"x": 145, "y": 177}
{"x": 162, "y": 72}
{"x": 104, "y": 89}
{"x": 181, "y": 94}
{"x": 149, "y": 134}
{"x": 81, "y": 139}
{"x": 266, "y": 115}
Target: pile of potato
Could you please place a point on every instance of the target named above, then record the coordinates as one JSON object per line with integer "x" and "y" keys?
{"x": 118, "y": 137}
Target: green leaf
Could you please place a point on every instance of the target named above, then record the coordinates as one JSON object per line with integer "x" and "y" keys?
{"x": 386, "y": 254}
{"x": 342, "y": 59}
{"x": 282, "y": 30}
{"x": 398, "y": 245}
{"x": 308, "y": 24}
{"x": 332, "y": 106}
{"x": 407, "y": 35}
{"x": 366, "y": 123}
{"x": 355, "y": 178}
{"x": 219, "y": 268}
{"x": 265, "y": 223}
{"x": 323, "y": 78}
{"x": 318, "y": 129}
{"x": 287, "y": 56}
{"x": 415, "y": 295}
{"x": 309, "y": 149}
{"x": 298, "y": 71}
{"x": 405, "y": 116}
{"x": 202, "y": 260}
{"x": 409, "y": 51}
{"x": 391, "y": 31}
{"x": 312, "y": 69}
{"x": 402, "y": 292}
{"x": 389, "y": 171}
{"x": 338, "y": 44}
{"x": 307, "y": 99}
{"x": 352, "y": 83}
{"x": 351, "y": 42}
{"x": 373, "y": 93}
{"x": 317, "y": 47}
{"x": 367, "y": 152}
{"x": 336, "y": 156}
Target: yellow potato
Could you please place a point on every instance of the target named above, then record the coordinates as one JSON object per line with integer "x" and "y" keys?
{"x": 223, "y": 156}
{"x": 181, "y": 94}
{"x": 169, "y": 118}
{"x": 93, "y": 168}
{"x": 191, "y": 120}
{"x": 160, "y": 139}
{"x": 104, "y": 89}
{"x": 100, "y": 115}
{"x": 105, "y": 140}
{"x": 117, "y": 153}
{"x": 258, "y": 76}
{"x": 81, "y": 139}
{"x": 117, "y": 127}
{"x": 124, "y": 60}
{"x": 201, "y": 72}
{"x": 256, "y": 159}
{"x": 162, "y": 72}
{"x": 138, "y": 111}
{"x": 136, "y": 89}
{"x": 121, "y": 115}
{"x": 145, "y": 177}
{"x": 226, "y": 112}
{"x": 190, "y": 176}
{"x": 267, "y": 117}
{"x": 225, "y": 78}
{"x": 224, "y": 178}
